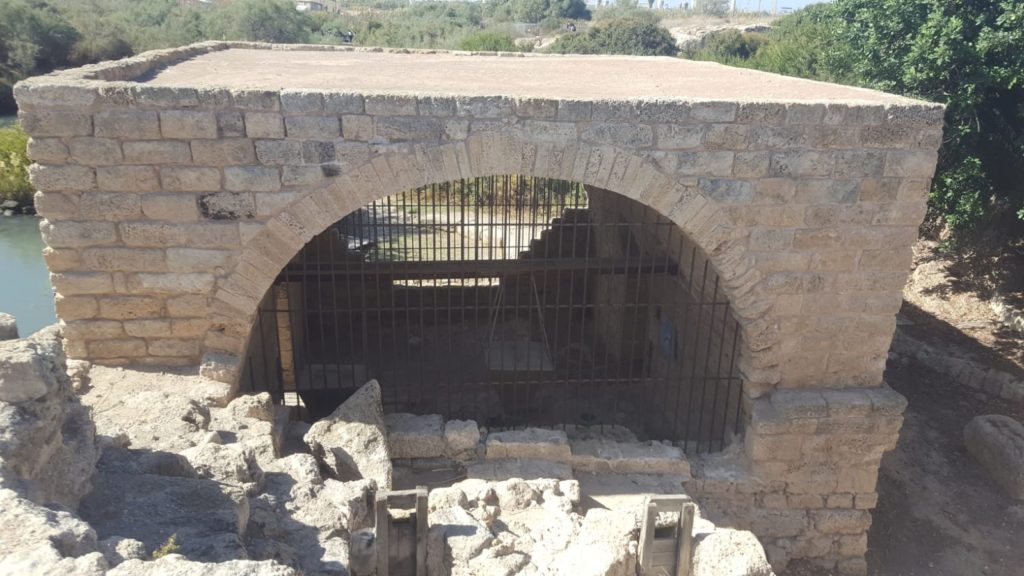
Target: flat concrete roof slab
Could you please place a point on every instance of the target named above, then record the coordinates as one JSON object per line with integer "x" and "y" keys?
{"x": 462, "y": 74}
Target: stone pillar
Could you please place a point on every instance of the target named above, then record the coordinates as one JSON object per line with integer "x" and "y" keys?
{"x": 819, "y": 452}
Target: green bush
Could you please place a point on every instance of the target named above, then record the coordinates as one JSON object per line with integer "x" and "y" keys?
{"x": 534, "y": 11}
{"x": 169, "y": 547}
{"x": 14, "y": 164}
{"x": 33, "y": 37}
{"x": 487, "y": 41}
{"x": 630, "y": 36}
{"x": 728, "y": 46}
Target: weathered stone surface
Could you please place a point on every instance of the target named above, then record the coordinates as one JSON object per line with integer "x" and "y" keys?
{"x": 453, "y": 539}
{"x": 352, "y": 442}
{"x": 30, "y": 368}
{"x": 728, "y": 552}
{"x": 603, "y": 455}
{"x": 533, "y": 443}
{"x": 412, "y": 436}
{"x": 208, "y": 518}
{"x": 220, "y": 367}
{"x": 176, "y": 565}
{"x": 229, "y": 464}
{"x": 518, "y": 468}
{"x": 33, "y": 537}
{"x": 116, "y": 550}
{"x": 8, "y": 327}
{"x": 997, "y": 442}
{"x": 47, "y": 440}
{"x": 603, "y": 547}
{"x": 256, "y": 406}
{"x": 461, "y": 438}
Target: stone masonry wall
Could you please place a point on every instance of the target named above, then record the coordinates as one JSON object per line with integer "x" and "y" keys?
{"x": 170, "y": 210}
{"x": 807, "y": 484}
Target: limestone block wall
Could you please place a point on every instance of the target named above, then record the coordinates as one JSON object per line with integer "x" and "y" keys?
{"x": 169, "y": 210}
{"x": 807, "y": 484}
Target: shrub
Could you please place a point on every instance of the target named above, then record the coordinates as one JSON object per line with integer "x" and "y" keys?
{"x": 14, "y": 184}
{"x": 169, "y": 547}
{"x": 630, "y": 36}
{"x": 728, "y": 46}
{"x": 486, "y": 41}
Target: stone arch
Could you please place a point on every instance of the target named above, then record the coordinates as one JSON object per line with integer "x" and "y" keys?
{"x": 404, "y": 167}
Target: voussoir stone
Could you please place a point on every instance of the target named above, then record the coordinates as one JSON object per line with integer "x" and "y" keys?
{"x": 352, "y": 442}
{"x": 997, "y": 442}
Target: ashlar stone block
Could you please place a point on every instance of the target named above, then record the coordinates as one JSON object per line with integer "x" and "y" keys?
{"x": 413, "y": 436}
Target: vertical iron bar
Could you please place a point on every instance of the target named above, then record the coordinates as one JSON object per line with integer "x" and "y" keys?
{"x": 707, "y": 354}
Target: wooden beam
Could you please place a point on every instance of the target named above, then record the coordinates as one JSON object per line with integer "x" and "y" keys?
{"x": 421, "y": 531}
{"x": 382, "y": 525}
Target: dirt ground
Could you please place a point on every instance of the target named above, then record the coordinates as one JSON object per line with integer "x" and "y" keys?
{"x": 939, "y": 514}
{"x": 954, "y": 291}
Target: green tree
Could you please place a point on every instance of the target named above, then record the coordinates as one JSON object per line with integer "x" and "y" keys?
{"x": 534, "y": 11}
{"x": 34, "y": 38}
{"x": 630, "y": 36}
{"x": 14, "y": 164}
{"x": 966, "y": 54}
{"x": 260, "y": 21}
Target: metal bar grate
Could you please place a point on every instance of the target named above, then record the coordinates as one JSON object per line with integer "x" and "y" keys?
{"x": 512, "y": 301}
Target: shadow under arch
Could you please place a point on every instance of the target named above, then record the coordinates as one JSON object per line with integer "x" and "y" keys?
{"x": 404, "y": 167}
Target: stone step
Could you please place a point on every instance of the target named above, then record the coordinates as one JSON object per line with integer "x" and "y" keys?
{"x": 534, "y": 443}
{"x": 608, "y": 456}
{"x": 525, "y": 468}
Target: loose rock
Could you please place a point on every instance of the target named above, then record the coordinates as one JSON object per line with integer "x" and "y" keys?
{"x": 412, "y": 436}
{"x": 8, "y": 327}
{"x": 997, "y": 442}
{"x": 727, "y": 552}
{"x": 352, "y": 441}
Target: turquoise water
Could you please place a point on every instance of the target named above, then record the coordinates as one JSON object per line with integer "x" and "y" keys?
{"x": 24, "y": 281}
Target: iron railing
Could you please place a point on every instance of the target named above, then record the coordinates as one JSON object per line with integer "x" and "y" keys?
{"x": 512, "y": 301}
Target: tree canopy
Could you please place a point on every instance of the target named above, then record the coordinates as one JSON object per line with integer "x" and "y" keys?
{"x": 629, "y": 35}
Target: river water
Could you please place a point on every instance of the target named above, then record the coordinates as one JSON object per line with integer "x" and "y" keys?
{"x": 24, "y": 281}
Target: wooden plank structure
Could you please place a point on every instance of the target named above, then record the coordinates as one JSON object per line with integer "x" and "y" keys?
{"x": 667, "y": 551}
{"x": 400, "y": 518}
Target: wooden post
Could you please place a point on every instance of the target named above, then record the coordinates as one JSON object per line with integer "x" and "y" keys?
{"x": 421, "y": 531}
{"x": 684, "y": 563}
{"x": 647, "y": 537}
{"x": 382, "y": 525}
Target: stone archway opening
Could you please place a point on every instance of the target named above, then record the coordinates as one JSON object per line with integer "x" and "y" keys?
{"x": 512, "y": 301}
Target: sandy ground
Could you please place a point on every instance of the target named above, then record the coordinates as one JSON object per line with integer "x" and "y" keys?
{"x": 957, "y": 293}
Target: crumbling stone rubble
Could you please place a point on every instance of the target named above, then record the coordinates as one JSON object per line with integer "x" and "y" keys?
{"x": 224, "y": 486}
